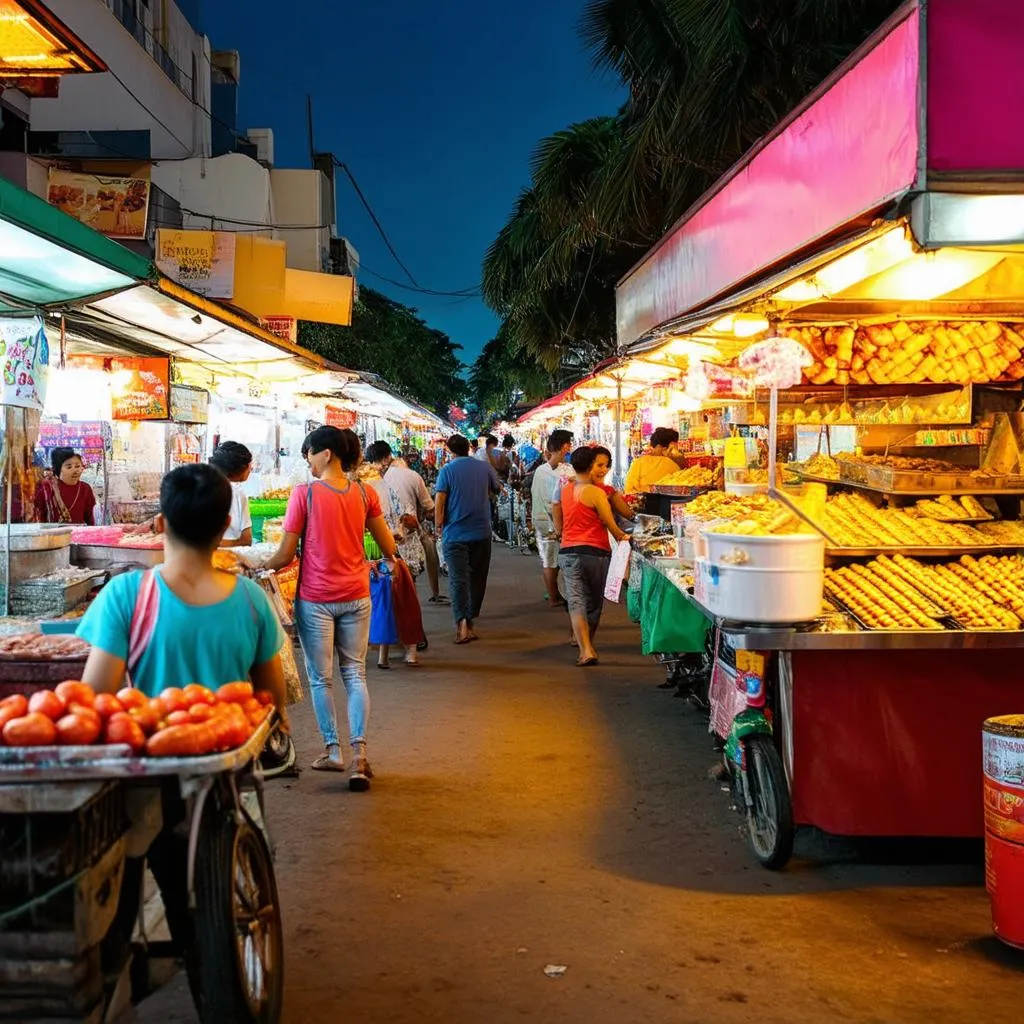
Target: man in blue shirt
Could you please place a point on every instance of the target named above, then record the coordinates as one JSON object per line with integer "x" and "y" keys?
{"x": 462, "y": 515}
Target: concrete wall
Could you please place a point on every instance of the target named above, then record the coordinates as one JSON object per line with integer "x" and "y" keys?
{"x": 299, "y": 200}
{"x": 102, "y": 103}
{"x": 233, "y": 188}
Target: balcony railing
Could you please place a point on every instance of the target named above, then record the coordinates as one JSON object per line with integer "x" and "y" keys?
{"x": 124, "y": 11}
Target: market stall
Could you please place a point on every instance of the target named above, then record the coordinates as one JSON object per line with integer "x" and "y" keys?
{"x": 867, "y": 617}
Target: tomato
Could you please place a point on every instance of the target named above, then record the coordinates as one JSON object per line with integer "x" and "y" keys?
{"x": 179, "y": 718}
{"x": 16, "y": 700}
{"x": 148, "y": 716}
{"x": 265, "y": 697}
{"x": 173, "y": 699}
{"x": 130, "y": 698}
{"x": 251, "y": 706}
{"x": 85, "y": 712}
{"x": 74, "y": 692}
{"x": 106, "y": 704}
{"x": 223, "y": 730}
{"x": 180, "y": 741}
{"x": 202, "y": 712}
{"x": 196, "y": 694}
{"x": 8, "y": 714}
{"x": 46, "y": 702}
{"x": 32, "y": 730}
{"x": 234, "y": 693}
{"x": 122, "y": 728}
{"x": 78, "y": 731}
{"x": 258, "y": 717}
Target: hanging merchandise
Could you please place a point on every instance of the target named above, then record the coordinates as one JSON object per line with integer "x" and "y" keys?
{"x": 26, "y": 362}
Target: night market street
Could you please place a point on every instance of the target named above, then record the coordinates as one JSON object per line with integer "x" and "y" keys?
{"x": 527, "y": 814}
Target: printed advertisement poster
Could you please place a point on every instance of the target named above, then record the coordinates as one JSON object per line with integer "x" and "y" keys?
{"x": 203, "y": 261}
{"x": 25, "y": 353}
{"x": 141, "y": 389}
{"x": 115, "y": 206}
{"x": 286, "y": 327}
{"x": 189, "y": 405}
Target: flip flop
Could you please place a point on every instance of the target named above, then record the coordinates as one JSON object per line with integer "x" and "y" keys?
{"x": 438, "y": 599}
{"x": 412, "y": 664}
{"x": 325, "y": 763}
{"x": 587, "y": 662}
{"x": 383, "y": 668}
{"x": 460, "y": 640}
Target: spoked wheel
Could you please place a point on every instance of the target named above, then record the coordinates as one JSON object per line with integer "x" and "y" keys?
{"x": 770, "y": 814}
{"x": 239, "y": 947}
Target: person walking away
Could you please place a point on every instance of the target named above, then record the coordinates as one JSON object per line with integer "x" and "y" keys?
{"x": 487, "y": 446}
{"x": 462, "y": 515}
{"x": 63, "y": 497}
{"x": 505, "y": 459}
{"x": 546, "y": 479}
{"x": 332, "y": 603}
{"x": 583, "y": 517}
{"x": 234, "y": 460}
{"x": 647, "y": 469}
{"x": 198, "y": 625}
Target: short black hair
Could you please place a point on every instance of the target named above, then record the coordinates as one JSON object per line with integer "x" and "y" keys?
{"x": 664, "y": 435}
{"x": 378, "y": 452}
{"x": 490, "y": 439}
{"x": 59, "y": 456}
{"x": 508, "y": 441}
{"x": 599, "y": 449}
{"x": 457, "y": 445}
{"x": 583, "y": 459}
{"x": 559, "y": 439}
{"x": 231, "y": 458}
{"x": 343, "y": 444}
{"x": 195, "y": 502}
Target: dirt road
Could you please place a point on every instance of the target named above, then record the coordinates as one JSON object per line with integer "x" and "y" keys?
{"x": 527, "y": 813}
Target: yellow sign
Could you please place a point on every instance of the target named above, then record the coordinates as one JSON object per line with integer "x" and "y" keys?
{"x": 202, "y": 261}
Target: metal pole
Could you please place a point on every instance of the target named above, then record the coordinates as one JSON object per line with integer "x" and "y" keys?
{"x": 618, "y": 478}
{"x": 9, "y": 501}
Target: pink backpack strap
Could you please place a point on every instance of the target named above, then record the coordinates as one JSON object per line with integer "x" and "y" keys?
{"x": 144, "y": 615}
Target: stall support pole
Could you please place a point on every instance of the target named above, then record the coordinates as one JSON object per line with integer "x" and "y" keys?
{"x": 9, "y": 502}
{"x": 619, "y": 477}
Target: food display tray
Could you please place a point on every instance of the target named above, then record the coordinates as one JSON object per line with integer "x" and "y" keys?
{"x": 1009, "y": 486}
{"x": 678, "y": 491}
{"x": 101, "y": 556}
{"x": 921, "y": 551}
{"x": 890, "y": 479}
{"x": 116, "y": 761}
{"x": 945, "y": 621}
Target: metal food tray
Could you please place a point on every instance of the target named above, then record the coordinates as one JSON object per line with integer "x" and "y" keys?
{"x": 679, "y": 491}
{"x": 101, "y": 556}
{"x": 945, "y": 620}
{"x": 116, "y": 761}
{"x": 921, "y": 551}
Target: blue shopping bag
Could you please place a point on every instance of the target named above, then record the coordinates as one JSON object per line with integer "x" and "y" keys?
{"x": 382, "y": 607}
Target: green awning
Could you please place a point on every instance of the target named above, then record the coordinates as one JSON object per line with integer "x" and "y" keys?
{"x": 48, "y": 258}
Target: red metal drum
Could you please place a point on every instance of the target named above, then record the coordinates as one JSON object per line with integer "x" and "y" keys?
{"x": 1003, "y": 749}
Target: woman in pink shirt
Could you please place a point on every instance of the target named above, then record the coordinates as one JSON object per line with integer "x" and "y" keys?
{"x": 332, "y": 605}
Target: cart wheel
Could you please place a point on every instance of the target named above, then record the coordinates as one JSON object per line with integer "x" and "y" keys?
{"x": 239, "y": 948}
{"x": 770, "y": 817}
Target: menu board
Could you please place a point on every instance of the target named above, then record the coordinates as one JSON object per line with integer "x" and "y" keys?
{"x": 141, "y": 389}
{"x": 341, "y": 418}
{"x": 116, "y": 206}
{"x": 189, "y": 405}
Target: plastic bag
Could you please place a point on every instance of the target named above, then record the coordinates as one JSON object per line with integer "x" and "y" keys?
{"x": 382, "y": 608}
{"x": 617, "y": 570}
{"x": 292, "y": 679}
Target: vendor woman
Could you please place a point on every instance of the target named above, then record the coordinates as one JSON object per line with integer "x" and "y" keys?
{"x": 63, "y": 497}
{"x": 647, "y": 469}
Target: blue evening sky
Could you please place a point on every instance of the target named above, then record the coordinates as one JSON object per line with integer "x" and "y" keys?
{"x": 436, "y": 107}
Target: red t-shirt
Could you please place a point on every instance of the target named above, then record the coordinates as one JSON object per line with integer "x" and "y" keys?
{"x": 78, "y": 499}
{"x": 333, "y": 560}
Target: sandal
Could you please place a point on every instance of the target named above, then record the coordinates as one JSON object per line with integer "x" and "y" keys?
{"x": 460, "y": 640}
{"x": 438, "y": 599}
{"x": 383, "y": 666}
{"x": 587, "y": 662}
{"x": 411, "y": 664}
{"x": 326, "y": 763}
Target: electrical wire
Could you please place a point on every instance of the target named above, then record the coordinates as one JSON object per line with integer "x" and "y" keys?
{"x": 188, "y": 150}
{"x": 465, "y": 293}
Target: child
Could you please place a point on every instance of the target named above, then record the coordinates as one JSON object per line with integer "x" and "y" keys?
{"x": 234, "y": 460}
{"x": 199, "y": 625}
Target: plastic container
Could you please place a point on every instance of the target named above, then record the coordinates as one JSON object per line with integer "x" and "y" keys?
{"x": 782, "y": 551}
{"x": 1003, "y": 793}
{"x": 745, "y": 489}
{"x": 745, "y": 594}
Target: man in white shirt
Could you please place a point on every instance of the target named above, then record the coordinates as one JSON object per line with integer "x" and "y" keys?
{"x": 234, "y": 460}
{"x": 488, "y": 445}
{"x": 546, "y": 480}
{"x": 415, "y": 502}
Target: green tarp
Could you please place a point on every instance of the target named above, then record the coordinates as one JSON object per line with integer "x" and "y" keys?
{"x": 669, "y": 623}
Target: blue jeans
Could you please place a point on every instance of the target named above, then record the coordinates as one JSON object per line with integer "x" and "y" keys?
{"x": 324, "y": 628}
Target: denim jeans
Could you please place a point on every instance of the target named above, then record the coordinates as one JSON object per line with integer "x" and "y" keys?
{"x": 469, "y": 561}
{"x": 323, "y": 629}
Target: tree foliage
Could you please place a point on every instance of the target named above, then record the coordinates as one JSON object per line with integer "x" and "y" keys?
{"x": 706, "y": 79}
{"x": 392, "y": 340}
{"x": 504, "y": 377}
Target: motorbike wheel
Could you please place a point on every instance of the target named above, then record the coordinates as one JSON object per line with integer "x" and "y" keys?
{"x": 770, "y": 815}
{"x": 238, "y": 934}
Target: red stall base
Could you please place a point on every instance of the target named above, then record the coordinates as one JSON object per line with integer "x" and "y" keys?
{"x": 888, "y": 743}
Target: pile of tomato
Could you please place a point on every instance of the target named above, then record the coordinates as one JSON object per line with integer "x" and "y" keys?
{"x": 180, "y": 722}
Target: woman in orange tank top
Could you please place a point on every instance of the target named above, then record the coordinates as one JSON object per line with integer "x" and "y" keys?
{"x": 583, "y": 519}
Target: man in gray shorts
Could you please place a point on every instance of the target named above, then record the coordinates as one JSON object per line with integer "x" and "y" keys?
{"x": 546, "y": 478}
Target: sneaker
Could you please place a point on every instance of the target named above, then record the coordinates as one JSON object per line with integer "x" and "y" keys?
{"x": 360, "y": 775}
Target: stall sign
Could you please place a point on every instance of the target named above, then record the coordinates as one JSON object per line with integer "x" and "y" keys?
{"x": 25, "y": 352}
{"x": 286, "y": 327}
{"x": 91, "y": 438}
{"x": 189, "y": 405}
{"x": 115, "y": 206}
{"x": 335, "y": 416}
{"x": 203, "y": 261}
{"x": 140, "y": 389}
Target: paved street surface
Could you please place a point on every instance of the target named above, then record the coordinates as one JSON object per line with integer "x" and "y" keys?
{"x": 527, "y": 813}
